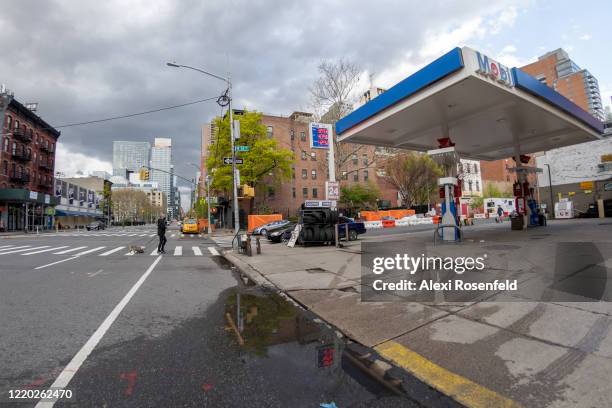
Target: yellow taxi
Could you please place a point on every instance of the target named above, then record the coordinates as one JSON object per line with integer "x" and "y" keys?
{"x": 190, "y": 226}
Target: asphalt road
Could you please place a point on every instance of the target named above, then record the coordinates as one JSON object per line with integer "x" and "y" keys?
{"x": 78, "y": 311}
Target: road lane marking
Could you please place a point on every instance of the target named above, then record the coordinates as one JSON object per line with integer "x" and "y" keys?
{"x": 130, "y": 235}
{"x": 73, "y": 366}
{"x": 6, "y": 246}
{"x": 173, "y": 235}
{"x": 89, "y": 251}
{"x": 142, "y": 235}
{"x": 154, "y": 252}
{"x": 69, "y": 250}
{"x": 17, "y": 247}
{"x": 152, "y": 235}
{"x": 23, "y": 249}
{"x": 214, "y": 251}
{"x": 45, "y": 250}
{"x": 55, "y": 263}
{"x": 196, "y": 251}
{"x": 92, "y": 274}
{"x": 178, "y": 251}
{"x": 455, "y": 386}
{"x": 112, "y": 251}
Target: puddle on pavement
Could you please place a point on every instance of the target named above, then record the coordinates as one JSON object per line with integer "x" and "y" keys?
{"x": 306, "y": 361}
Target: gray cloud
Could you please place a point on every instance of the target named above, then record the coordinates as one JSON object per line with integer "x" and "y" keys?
{"x": 89, "y": 60}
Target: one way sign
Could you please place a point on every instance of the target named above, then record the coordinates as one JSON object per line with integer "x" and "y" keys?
{"x": 228, "y": 160}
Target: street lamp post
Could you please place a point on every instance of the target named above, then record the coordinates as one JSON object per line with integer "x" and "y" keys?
{"x": 228, "y": 81}
{"x": 208, "y": 202}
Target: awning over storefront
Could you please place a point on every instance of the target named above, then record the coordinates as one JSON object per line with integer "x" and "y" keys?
{"x": 486, "y": 109}
{"x": 20, "y": 195}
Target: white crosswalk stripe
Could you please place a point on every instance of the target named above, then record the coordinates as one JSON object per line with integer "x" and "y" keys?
{"x": 89, "y": 251}
{"x": 23, "y": 249}
{"x": 45, "y": 250}
{"x": 112, "y": 251}
{"x": 154, "y": 252}
{"x": 196, "y": 251}
{"x": 213, "y": 251}
{"x": 142, "y": 235}
{"x": 69, "y": 250}
{"x": 178, "y": 251}
{"x": 6, "y": 246}
{"x": 173, "y": 235}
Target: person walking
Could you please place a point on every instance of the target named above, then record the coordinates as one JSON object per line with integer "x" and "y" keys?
{"x": 500, "y": 213}
{"x": 161, "y": 233}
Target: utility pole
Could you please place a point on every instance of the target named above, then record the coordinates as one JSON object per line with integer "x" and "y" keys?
{"x": 234, "y": 178}
{"x": 208, "y": 203}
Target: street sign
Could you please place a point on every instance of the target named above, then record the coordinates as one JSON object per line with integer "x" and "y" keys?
{"x": 228, "y": 160}
{"x": 294, "y": 235}
{"x": 332, "y": 190}
{"x": 320, "y": 204}
{"x": 241, "y": 148}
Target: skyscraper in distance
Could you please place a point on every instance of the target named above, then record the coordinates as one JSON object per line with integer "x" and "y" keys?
{"x": 161, "y": 169}
{"x": 129, "y": 156}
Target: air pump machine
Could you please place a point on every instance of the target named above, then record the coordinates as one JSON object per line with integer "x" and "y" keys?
{"x": 450, "y": 189}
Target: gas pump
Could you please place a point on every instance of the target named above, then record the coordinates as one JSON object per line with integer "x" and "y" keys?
{"x": 526, "y": 205}
{"x": 450, "y": 190}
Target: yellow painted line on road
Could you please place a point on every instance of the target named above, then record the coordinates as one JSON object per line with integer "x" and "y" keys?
{"x": 459, "y": 388}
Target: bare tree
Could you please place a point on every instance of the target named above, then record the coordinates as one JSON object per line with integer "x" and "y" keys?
{"x": 333, "y": 95}
{"x": 415, "y": 175}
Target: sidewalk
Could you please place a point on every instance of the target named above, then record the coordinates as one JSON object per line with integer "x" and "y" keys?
{"x": 482, "y": 354}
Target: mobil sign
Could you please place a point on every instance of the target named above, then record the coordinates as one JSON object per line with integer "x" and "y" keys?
{"x": 492, "y": 69}
{"x": 320, "y": 135}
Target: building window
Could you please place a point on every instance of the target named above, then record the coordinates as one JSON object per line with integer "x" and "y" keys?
{"x": 313, "y": 174}
{"x": 460, "y": 167}
{"x": 303, "y": 136}
{"x": 475, "y": 168}
{"x": 354, "y": 158}
{"x": 477, "y": 185}
{"x": 344, "y": 175}
{"x": 356, "y": 176}
{"x": 470, "y": 185}
{"x": 9, "y": 122}
{"x": 293, "y": 173}
{"x": 304, "y": 155}
{"x": 270, "y": 132}
{"x": 36, "y": 138}
{"x": 6, "y": 144}
{"x": 467, "y": 169}
{"x": 305, "y": 192}
{"x": 14, "y": 150}
{"x": 315, "y": 193}
{"x": 304, "y": 174}
{"x": 292, "y": 134}
{"x": 17, "y": 125}
{"x": 365, "y": 159}
{"x": 271, "y": 192}
{"x": 365, "y": 175}
{"x": 313, "y": 156}
{"x": 293, "y": 192}
{"x": 5, "y": 168}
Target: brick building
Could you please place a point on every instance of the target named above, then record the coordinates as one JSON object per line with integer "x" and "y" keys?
{"x": 27, "y": 163}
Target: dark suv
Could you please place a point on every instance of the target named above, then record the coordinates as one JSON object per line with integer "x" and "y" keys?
{"x": 95, "y": 226}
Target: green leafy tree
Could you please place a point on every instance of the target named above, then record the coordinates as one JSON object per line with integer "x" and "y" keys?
{"x": 359, "y": 196}
{"x": 476, "y": 202}
{"x": 265, "y": 160}
{"x": 491, "y": 190}
{"x": 414, "y": 175}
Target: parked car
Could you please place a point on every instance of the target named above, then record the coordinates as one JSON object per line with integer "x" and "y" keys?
{"x": 279, "y": 233}
{"x": 263, "y": 229}
{"x": 95, "y": 226}
{"x": 190, "y": 226}
{"x": 355, "y": 228}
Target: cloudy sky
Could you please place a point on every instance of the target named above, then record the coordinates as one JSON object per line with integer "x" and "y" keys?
{"x": 87, "y": 60}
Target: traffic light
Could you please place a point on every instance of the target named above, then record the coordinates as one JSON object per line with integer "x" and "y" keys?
{"x": 144, "y": 174}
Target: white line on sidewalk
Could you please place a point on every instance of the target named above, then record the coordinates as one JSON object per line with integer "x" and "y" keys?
{"x": 178, "y": 251}
{"x": 69, "y": 250}
{"x": 23, "y": 249}
{"x": 112, "y": 251}
{"x": 196, "y": 251}
{"x": 56, "y": 262}
{"x": 214, "y": 251}
{"x": 73, "y": 366}
{"x": 45, "y": 250}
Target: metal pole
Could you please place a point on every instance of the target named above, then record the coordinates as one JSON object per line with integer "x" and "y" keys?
{"x": 234, "y": 181}
{"x": 208, "y": 203}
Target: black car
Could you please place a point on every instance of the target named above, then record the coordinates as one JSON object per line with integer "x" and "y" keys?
{"x": 281, "y": 233}
{"x": 95, "y": 226}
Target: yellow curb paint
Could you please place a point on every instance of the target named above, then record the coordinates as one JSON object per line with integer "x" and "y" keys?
{"x": 459, "y": 388}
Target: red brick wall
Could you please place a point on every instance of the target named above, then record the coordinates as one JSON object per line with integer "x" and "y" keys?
{"x": 41, "y": 180}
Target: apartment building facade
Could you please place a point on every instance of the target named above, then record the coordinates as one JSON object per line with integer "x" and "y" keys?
{"x": 27, "y": 164}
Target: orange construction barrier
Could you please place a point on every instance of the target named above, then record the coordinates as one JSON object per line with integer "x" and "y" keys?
{"x": 388, "y": 223}
{"x": 257, "y": 220}
{"x": 378, "y": 215}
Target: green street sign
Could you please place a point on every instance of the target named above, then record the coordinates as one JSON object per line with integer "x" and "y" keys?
{"x": 241, "y": 148}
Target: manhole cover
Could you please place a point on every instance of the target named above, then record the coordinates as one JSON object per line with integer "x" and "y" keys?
{"x": 502, "y": 247}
